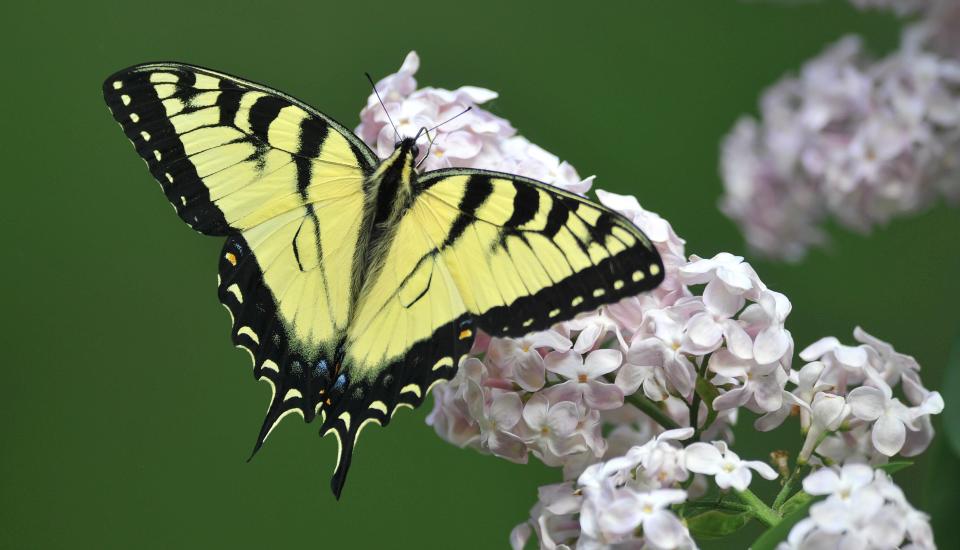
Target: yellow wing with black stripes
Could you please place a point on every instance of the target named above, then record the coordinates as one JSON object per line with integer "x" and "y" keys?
{"x": 285, "y": 184}
{"x": 526, "y": 255}
{"x": 478, "y": 249}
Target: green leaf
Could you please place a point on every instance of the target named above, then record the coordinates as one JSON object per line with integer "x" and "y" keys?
{"x": 894, "y": 467}
{"x": 795, "y": 502}
{"x": 778, "y": 533}
{"x": 714, "y": 524}
{"x": 951, "y": 395}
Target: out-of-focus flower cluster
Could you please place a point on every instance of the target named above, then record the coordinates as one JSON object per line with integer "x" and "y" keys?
{"x": 851, "y": 138}
{"x": 900, "y": 7}
{"x": 475, "y": 139}
{"x": 636, "y": 401}
{"x": 863, "y": 509}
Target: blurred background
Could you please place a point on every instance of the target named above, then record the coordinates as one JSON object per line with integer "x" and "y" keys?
{"x": 129, "y": 416}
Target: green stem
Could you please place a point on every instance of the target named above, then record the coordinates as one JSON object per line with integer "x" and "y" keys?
{"x": 790, "y": 484}
{"x": 718, "y": 505}
{"x": 695, "y": 402}
{"x": 651, "y": 409}
{"x": 758, "y": 508}
{"x": 695, "y": 406}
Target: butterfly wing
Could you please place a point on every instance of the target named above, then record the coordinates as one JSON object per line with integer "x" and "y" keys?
{"x": 285, "y": 184}
{"x": 410, "y": 330}
{"x": 526, "y": 255}
{"x": 506, "y": 253}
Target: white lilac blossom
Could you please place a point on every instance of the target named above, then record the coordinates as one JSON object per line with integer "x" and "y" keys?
{"x": 715, "y": 459}
{"x": 622, "y": 399}
{"x": 862, "y": 509}
{"x": 613, "y": 502}
{"x": 851, "y": 138}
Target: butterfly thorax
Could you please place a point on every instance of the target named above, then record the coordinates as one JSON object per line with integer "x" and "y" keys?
{"x": 390, "y": 194}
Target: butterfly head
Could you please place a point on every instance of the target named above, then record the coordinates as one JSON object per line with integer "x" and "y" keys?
{"x": 408, "y": 145}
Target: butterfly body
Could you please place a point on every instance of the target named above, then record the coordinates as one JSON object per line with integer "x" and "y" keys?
{"x": 358, "y": 284}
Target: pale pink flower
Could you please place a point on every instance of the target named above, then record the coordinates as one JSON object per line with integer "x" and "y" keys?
{"x": 890, "y": 416}
{"x": 662, "y": 461}
{"x": 889, "y": 363}
{"x": 551, "y": 428}
{"x": 644, "y": 367}
{"x": 584, "y": 377}
{"x": 844, "y": 364}
{"x": 521, "y": 359}
{"x": 862, "y": 509}
{"x": 715, "y": 459}
{"x": 851, "y": 497}
{"x": 762, "y": 388}
{"x": 498, "y": 420}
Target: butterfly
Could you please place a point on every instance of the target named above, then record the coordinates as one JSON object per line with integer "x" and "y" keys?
{"x": 357, "y": 284}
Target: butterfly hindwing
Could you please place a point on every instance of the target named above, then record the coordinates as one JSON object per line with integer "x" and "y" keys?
{"x": 526, "y": 255}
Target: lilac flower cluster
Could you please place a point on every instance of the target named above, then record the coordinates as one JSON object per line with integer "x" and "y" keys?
{"x": 863, "y": 508}
{"x": 852, "y": 387}
{"x": 549, "y": 393}
{"x": 850, "y": 138}
{"x": 635, "y": 402}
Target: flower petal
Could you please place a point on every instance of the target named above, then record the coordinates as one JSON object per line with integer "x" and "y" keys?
{"x": 702, "y": 458}
{"x": 601, "y": 362}
{"x": 866, "y": 403}
{"x": 888, "y": 434}
{"x": 563, "y": 418}
{"x": 822, "y": 482}
{"x": 761, "y": 468}
{"x": 819, "y": 348}
{"x": 664, "y": 530}
{"x": 601, "y": 395}
{"x": 536, "y": 410}
{"x": 771, "y": 344}
{"x": 568, "y": 364}
{"x": 529, "y": 371}
{"x": 720, "y": 301}
{"x": 506, "y": 410}
{"x": 704, "y": 333}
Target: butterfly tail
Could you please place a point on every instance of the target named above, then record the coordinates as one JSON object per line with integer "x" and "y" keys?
{"x": 345, "y": 442}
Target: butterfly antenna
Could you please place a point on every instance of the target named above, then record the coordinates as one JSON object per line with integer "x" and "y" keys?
{"x": 426, "y": 131}
{"x": 374, "y": 86}
{"x": 451, "y": 119}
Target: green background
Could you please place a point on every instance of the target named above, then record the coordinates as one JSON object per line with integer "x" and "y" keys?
{"x": 128, "y": 417}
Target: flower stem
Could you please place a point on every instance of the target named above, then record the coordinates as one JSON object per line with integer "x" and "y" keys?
{"x": 790, "y": 484}
{"x": 758, "y": 508}
{"x": 695, "y": 402}
{"x": 651, "y": 409}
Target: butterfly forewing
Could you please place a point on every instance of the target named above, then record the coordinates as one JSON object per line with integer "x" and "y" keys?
{"x": 286, "y": 184}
